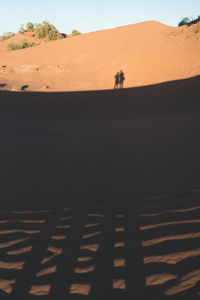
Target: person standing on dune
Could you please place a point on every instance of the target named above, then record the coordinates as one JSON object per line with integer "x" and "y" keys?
{"x": 121, "y": 79}
{"x": 116, "y": 81}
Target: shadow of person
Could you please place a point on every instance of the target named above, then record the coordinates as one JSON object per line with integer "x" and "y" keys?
{"x": 121, "y": 79}
{"x": 117, "y": 77}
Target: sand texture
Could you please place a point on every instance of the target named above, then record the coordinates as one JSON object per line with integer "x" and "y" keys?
{"x": 100, "y": 194}
{"x": 148, "y": 53}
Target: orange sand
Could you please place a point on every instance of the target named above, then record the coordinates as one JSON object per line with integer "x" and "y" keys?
{"x": 148, "y": 53}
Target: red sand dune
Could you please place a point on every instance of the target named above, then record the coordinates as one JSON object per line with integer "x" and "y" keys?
{"x": 100, "y": 190}
{"x": 148, "y": 53}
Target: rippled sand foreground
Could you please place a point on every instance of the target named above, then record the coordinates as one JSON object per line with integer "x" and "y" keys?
{"x": 100, "y": 194}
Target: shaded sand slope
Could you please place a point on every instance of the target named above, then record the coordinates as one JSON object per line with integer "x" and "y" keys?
{"x": 148, "y": 52}
{"x": 100, "y": 195}
{"x": 175, "y": 97}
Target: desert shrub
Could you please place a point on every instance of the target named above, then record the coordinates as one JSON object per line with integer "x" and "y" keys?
{"x": 41, "y": 32}
{"x": 30, "y": 26}
{"x": 75, "y": 32}
{"x": 54, "y": 34}
{"x": 184, "y": 21}
{"x": 22, "y": 45}
{"x": 22, "y": 30}
{"x": 7, "y": 35}
{"x": 45, "y": 29}
{"x": 16, "y": 87}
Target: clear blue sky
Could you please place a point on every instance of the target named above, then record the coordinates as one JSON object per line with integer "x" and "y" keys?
{"x": 90, "y": 15}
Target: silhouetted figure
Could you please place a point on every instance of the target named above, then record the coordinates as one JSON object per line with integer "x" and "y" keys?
{"x": 121, "y": 79}
{"x": 116, "y": 81}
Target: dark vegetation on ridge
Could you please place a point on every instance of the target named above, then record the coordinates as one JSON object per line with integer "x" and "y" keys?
{"x": 189, "y": 21}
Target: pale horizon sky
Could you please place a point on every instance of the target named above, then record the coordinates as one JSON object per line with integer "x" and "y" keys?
{"x": 90, "y": 15}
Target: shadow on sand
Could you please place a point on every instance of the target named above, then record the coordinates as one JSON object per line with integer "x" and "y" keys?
{"x": 24, "y": 87}
{"x": 174, "y": 97}
{"x": 100, "y": 194}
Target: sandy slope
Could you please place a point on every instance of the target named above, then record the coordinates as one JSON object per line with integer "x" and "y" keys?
{"x": 148, "y": 52}
{"x": 17, "y": 38}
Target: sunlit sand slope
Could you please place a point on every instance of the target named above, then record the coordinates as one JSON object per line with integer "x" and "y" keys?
{"x": 148, "y": 52}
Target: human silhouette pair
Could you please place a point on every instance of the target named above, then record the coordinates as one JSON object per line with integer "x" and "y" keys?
{"x": 119, "y": 80}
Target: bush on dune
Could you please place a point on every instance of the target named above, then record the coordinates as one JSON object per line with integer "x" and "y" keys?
{"x": 17, "y": 88}
{"x": 30, "y": 26}
{"x": 184, "y": 21}
{"x": 22, "y": 45}
{"x": 22, "y": 29}
{"x": 75, "y": 32}
{"x": 7, "y": 35}
{"x": 45, "y": 29}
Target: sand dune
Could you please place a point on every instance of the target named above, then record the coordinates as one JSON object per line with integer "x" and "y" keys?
{"x": 148, "y": 52}
{"x": 100, "y": 189}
